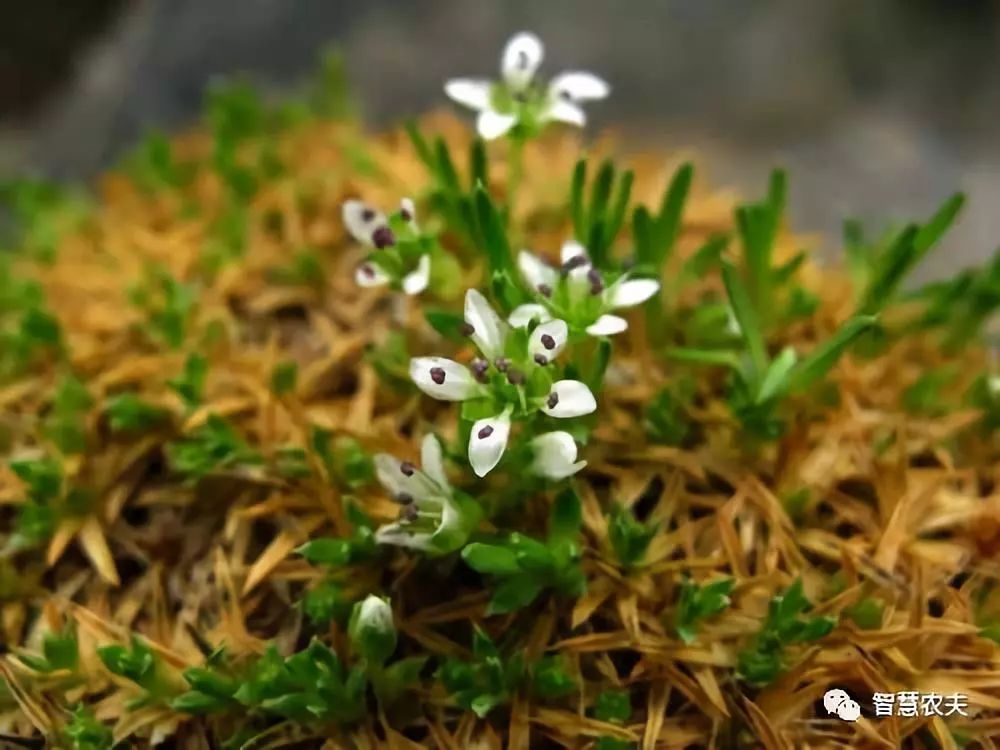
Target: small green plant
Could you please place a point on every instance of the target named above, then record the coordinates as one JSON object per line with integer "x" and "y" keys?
{"x": 786, "y": 624}
{"x": 60, "y": 653}
{"x": 699, "y": 602}
{"x": 138, "y": 664}
{"x": 524, "y": 567}
{"x": 597, "y": 221}
{"x": 487, "y": 681}
{"x": 214, "y": 446}
{"x": 65, "y": 424}
{"x": 629, "y": 537}
{"x": 613, "y": 707}
{"x": 84, "y": 732}
{"x": 38, "y": 514}
{"x": 168, "y": 305}
{"x": 284, "y": 378}
{"x": 130, "y": 413}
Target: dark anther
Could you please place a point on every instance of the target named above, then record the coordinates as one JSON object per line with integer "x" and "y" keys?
{"x": 522, "y": 59}
{"x": 515, "y": 377}
{"x": 553, "y": 400}
{"x": 408, "y": 513}
{"x": 485, "y": 432}
{"x": 407, "y": 468}
{"x": 541, "y": 360}
{"x": 367, "y": 214}
{"x": 479, "y": 368}
{"x": 383, "y": 237}
{"x": 404, "y": 498}
{"x": 437, "y": 375}
{"x": 548, "y": 342}
{"x": 596, "y": 282}
{"x": 545, "y": 290}
{"x": 502, "y": 363}
{"x": 565, "y": 95}
{"x": 368, "y": 271}
{"x": 575, "y": 262}
{"x": 467, "y": 329}
{"x": 405, "y": 215}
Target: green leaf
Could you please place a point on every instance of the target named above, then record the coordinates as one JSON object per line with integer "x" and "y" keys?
{"x": 284, "y": 377}
{"x": 704, "y": 357}
{"x": 190, "y": 384}
{"x": 577, "y": 208}
{"x": 491, "y": 559}
{"x": 567, "y": 516}
{"x": 777, "y": 378}
{"x": 613, "y": 706}
{"x": 494, "y": 236}
{"x": 746, "y": 316}
{"x": 513, "y": 594}
{"x": 446, "y": 322}
{"x": 825, "y": 356}
{"x": 128, "y": 412}
{"x": 668, "y": 222}
{"x": 550, "y": 679}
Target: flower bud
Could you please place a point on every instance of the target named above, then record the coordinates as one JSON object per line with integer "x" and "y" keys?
{"x": 372, "y": 630}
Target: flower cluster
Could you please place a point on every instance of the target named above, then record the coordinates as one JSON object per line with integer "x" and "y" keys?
{"x": 578, "y": 293}
{"x": 518, "y": 100}
{"x": 511, "y": 379}
{"x": 400, "y": 256}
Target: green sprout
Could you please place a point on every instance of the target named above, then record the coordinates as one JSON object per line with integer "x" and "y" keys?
{"x": 613, "y": 707}
{"x": 629, "y": 537}
{"x": 487, "y": 681}
{"x": 700, "y": 602}
{"x": 213, "y": 447}
{"x": 190, "y": 383}
{"x": 168, "y": 305}
{"x": 786, "y": 624}
{"x": 84, "y": 732}
{"x": 129, "y": 413}
{"x": 597, "y": 221}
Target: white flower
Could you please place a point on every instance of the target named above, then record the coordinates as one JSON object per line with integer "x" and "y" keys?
{"x": 372, "y": 630}
{"x": 432, "y": 518}
{"x": 518, "y": 98}
{"x": 577, "y": 293}
{"x": 371, "y": 228}
{"x": 554, "y": 455}
{"x": 491, "y": 376}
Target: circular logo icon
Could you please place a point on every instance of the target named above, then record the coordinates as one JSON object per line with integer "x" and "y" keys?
{"x": 837, "y": 701}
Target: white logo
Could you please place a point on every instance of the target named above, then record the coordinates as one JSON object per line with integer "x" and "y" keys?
{"x": 837, "y": 701}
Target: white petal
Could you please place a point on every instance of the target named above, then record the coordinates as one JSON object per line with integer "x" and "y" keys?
{"x": 402, "y": 480}
{"x": 520, "y": 60}
{"x": 432, "y": 460}
{"x": 536, "y": 271}
{"x": 548, "y": 339}
{"x": 630, "y": 293}
{"x": 572, "y": 249}
{"x": 370, "y": 274}
{"x": 561, "y": 110}
{"x": 361, "y": 220}
{"x": 555, "y": 455}
{"x": 487, "y": 442}
{"x": 572, "y": 399}
{"x": 607, "y": 325}
{"x": 578, "y": 283}
{"x": 488, "y": 331}
{"x": 524, "y": 314}
{"x": 473, "y": 93}
{"x": 456, "y": 382}
{"x": 578, "y": 86}
{"x": 492, "y": 124}
{"x": 397, "y": 534}
{"x": 416, "y": 281}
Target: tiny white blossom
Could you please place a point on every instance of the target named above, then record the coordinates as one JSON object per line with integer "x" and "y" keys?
{"x": 518, "y": 99}
{"x": 577, "y": 294}
{"x": 431, "y": 518}
{"x": 554, "y": 455}
{"x": 371, "y": 228}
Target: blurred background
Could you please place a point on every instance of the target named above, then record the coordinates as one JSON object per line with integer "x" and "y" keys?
{"x": 880, "y": 108}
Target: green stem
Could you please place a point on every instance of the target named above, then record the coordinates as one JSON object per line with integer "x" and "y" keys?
{"x": 515, "y": 163}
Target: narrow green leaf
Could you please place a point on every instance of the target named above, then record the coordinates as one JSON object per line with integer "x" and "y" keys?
{"x": 577, "y": 209}
{"x": 746, "y": 316}
{"x": 668, "y": 222}
{"x": 820, "y": 360}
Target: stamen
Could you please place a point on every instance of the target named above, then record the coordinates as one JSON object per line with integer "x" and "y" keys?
{"x": 404, "y": 498}
{"x": 485, "y": 432}
{"x": 407, "y": 468}
{"x": 553, "y": 400}
{"x": 368, "y": 271}
{"x": 383, "y": 237}
{"x": 548, "y": 342}
{"x": 545, "y": 290}
{"x": 408, "y": 514}
{"x": 541, "y": 360}
{"x": 502, "y": 363}
{"x": 405, "y": 215}
{"x": 367, "y": 214}
{"x": 467, "y": 329}
{"x": 479, "y": 368}
{"x": 596, "y": 281}
{"x": 437, "y": 375}
{"x": 575, "y": 262}
{"x": 516, "y": 377}
{"x": 522, "y": 59}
